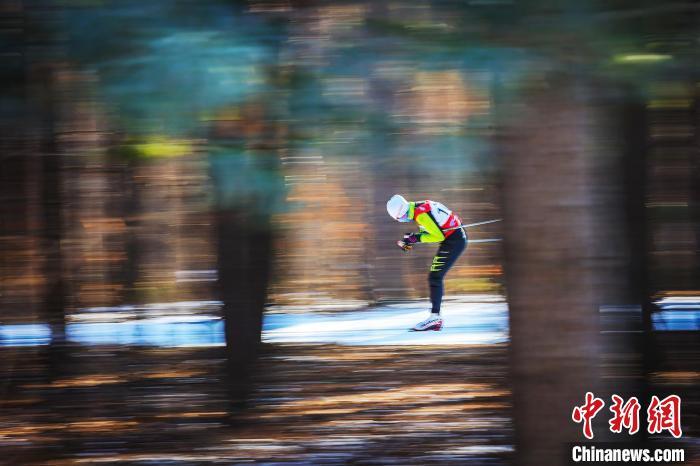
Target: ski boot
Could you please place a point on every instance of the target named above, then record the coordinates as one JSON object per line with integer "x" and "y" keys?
{"x": 434, "y": 322}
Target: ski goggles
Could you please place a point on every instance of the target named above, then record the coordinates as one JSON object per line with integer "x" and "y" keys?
{"x": 404, "y": 218}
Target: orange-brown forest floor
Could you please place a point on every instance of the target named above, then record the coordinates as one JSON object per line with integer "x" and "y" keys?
{"x": 309, "y": 404}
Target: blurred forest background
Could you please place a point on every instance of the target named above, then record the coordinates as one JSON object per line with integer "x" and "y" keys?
{"x": 203, "y": 161}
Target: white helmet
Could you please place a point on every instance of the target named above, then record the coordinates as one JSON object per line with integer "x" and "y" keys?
{"x": 397, "y": 207}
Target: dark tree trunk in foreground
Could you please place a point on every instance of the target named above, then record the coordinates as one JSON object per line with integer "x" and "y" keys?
{"x": 635, "y": 185}
{"x": 52, "y": 227}
{"x": 548, "y": 207}
{"x": 244, "y": 255}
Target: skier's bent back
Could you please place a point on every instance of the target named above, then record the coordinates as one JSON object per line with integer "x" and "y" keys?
{"x": 436, "y": 223}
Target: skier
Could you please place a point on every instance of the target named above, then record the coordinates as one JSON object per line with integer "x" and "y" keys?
{"x": 435, "y": 222}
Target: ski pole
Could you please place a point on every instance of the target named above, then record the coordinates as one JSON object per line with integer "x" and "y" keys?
{"x": 474, "y": 224}
{"x": 407, "y": 247}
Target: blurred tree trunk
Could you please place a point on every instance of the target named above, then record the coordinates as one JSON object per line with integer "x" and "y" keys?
{"x": 244, "y": 257}
{"x": 57, "y": 356}
{"x": 52, "y": 227}
{"x": 244, "y": 166}
{"x": 132, "y": 213}
{"x": 695, "y": 189}
{"x": 548, "y": 151}
{"x": 635, "y": 185}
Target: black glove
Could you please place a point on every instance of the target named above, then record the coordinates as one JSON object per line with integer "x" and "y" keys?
{"x": 411, "y": 238}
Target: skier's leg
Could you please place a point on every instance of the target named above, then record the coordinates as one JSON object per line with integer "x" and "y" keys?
{"x": 448, "y": 253}
{"x": 436, "y": 290}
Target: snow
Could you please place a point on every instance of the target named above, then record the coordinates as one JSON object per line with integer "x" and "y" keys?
{"x": 474, "y": 319}
{"x": 465, "y": 323}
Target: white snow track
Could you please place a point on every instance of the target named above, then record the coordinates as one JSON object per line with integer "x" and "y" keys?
{"x": 483, "y": 322}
